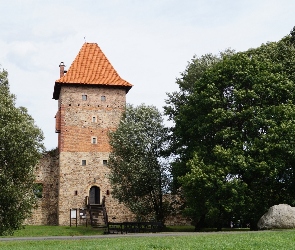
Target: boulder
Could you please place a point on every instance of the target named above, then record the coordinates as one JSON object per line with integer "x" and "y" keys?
{"x": 280, "y": 216}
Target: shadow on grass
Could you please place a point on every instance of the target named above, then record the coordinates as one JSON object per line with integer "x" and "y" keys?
{"x": 41, "y": 231}
{"x": 192, "y": 229}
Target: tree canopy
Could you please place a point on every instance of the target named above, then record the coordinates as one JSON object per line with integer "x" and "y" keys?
{"x": 138, "y": 172}
{"x": 234, "y": 132}
{"x": 20, "y": 148}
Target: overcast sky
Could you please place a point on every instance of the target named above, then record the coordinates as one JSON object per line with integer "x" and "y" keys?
{"x": 148, "y": 42}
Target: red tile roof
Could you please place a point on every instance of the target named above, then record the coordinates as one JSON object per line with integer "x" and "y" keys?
{"x": 91, "y": 67}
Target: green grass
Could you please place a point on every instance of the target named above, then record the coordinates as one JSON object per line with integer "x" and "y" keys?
{"x": 225, "y": 240}
{"x": 40, "y": 231}
{"x": 238, "y": 239}
{"x": 192, "y": 229}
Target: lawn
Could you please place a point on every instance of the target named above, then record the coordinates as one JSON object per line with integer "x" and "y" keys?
{"x": 279, "y": 239}
{"x": 40, "y": 231}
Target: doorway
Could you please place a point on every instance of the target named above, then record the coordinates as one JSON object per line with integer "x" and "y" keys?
{"x": 94, "y": 195}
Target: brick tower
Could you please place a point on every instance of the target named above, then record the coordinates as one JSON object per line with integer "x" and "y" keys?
{"x": 91, "y": 97}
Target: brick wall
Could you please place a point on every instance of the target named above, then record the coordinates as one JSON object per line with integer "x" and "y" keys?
{"x": 81, "y": 120}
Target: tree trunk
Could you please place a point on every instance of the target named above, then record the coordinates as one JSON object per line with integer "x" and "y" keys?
{"x": 200, "y": 224}
{"x": 219, "y": 221}
{"x": 253, "y": 225}
{"x": 219, "y": 226}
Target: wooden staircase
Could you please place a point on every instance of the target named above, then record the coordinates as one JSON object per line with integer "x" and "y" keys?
{"x": 98, "y": 215}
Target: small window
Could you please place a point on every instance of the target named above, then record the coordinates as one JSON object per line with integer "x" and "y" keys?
{"x": 84, "y": 97}
{"x": 93, "y": 119}
{"x": 38, "y": 190}
{"x": 103, "y": 98}
{"x": 83, "y": 163}
{"x": 94, "y": 141}
{"x": 105, "y": 162}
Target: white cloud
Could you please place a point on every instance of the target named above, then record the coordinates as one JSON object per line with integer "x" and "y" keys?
{"x": 148, "y": 42}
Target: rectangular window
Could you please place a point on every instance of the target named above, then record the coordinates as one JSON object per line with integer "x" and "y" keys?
{"x": 105, "y": 162}
{"x": 83, "y": 163}
{"x": 84, "y": 97}
{"x": 103, "y": 98}
{"x": 38, "y": 190}
{"x": 94, "y": 141}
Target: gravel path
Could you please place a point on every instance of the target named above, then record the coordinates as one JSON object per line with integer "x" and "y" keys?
{"x": 118, "y": 235}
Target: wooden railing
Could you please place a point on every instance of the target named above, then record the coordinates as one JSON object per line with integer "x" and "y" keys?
{"x": 134, "y": 227}
{"x": 96, "y": 208}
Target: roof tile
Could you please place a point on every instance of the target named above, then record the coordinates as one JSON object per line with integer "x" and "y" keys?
{"x": 92, "y": 67}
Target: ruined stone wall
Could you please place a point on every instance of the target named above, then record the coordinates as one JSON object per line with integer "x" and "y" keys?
{"x": 177, "y": 220}
{"x": 175, "y": 217}
{"x": 46, "y": 172}
{"x": 84, "y": 146}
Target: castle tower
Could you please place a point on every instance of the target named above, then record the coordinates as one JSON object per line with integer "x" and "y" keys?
{"x": 91, "y": 98}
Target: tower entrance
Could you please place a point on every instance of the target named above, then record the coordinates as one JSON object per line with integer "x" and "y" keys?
{"x": 94, "y": 195}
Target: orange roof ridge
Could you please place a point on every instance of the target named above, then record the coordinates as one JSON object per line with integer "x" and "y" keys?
{"x": 92, "y": 67}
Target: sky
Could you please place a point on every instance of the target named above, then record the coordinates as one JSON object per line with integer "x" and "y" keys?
{"x": 148, "y": 42}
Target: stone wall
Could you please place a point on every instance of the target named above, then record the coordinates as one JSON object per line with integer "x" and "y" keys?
{"x": 177, "y": 220}
{"x": 77, "y": 179}
{"x": 46, "y": 172}
{"x": 83, "y": 124}
{"x": 176, "y": 202}
{"x": 87, "y": 114}
{"x": 76, "y": 183}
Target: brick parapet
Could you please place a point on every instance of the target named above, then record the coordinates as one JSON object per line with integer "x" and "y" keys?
{"x": 81, "y": 120}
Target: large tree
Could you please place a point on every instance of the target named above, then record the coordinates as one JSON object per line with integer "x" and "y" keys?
{"x": 234, "y": 134}
{"x": 138, "y": 172}
{"x": 20, "y": 147}
{"x": 182, "y": 145}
